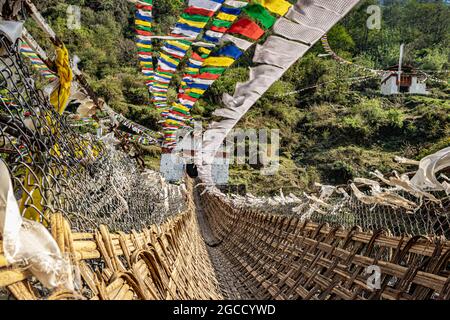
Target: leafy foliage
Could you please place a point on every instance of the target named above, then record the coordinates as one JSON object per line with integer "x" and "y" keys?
{"x": 333, "y": 128}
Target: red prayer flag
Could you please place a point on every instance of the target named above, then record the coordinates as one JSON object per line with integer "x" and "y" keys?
{"x": 247, "y": 28}
{"x": 143, "y": 33}
{"x": 186, "y": 97}
{"x": 144, "y": 7}
{"x": 199, "y": 11}
{"x": 219, "y": 29}
{"x": 207, "y": 76}
{"x": 195, "y": 56}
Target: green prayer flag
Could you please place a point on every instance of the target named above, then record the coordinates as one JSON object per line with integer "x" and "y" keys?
{"x": 195, "y": 95}
{"x": 213, "y": 70}
{"x": 144, "y": 28}
{"x": 221, "y": 23}
{"x": 259, "y": 13}
{"x": 195, "y": 17}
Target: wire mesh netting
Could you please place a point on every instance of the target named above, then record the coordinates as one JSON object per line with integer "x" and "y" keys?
{"x": 56, "y": 169}
{"x": 427, "y": 218}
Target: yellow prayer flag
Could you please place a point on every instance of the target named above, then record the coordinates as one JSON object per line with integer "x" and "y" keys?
{"x": 279, "y": 7}
{"x": 226, "y": 16}
{"x": 192, "y": 23}
{"x": 178, "y": 44}
{"x": 204, "y": 50}
{"x": 181, "y": 107}
{"x": 169, "y": 59}
{"x": 60, "y": 95}
{"x": 143, "y": 23}
{"x": 142, "y": 45}
{"x": 218, "y": 61}
{"x": 197, "y": 91}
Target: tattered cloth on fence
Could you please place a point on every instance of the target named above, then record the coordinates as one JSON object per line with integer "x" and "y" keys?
{"x": 61, "y": 93}
{"x": 11, "y": 29}
{"x": 29, "y": 242}
{"x": 425, "y": 178}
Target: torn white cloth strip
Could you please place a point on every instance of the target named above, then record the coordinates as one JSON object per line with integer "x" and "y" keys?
{"x": 205, "y": 4}
{"x": 279, "y": 52}
{"x": 196, "y": 62}
{"x": 203, "y": 81}
{"x": 425, "y": 178}
{"x": 296, "y": 31}
{"x": 235, "y": 4}
{"x": 186, "y": 102}
{"x": 26, "y": 241}
{"x": 145, "y": 13}
{"x": 240, "y": 43}
{"x": 11, "y": 29}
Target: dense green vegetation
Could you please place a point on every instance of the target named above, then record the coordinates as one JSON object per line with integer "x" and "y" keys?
{"x": 330, "y": 133}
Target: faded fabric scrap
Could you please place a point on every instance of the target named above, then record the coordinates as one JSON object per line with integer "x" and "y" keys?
{"x": 27, "y": 241}
{"x": 205, "y": 4}
{"x": 235, "y": 4}
{"x": 425, "y": 178}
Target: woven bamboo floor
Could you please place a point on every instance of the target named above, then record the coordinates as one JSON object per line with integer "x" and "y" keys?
{"x": 217, "y": 251}
{"x": 282, "y": 257}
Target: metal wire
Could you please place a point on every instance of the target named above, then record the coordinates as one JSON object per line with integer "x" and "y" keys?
{"x": 56, "y": 169}
{"x": 429, "y": 219}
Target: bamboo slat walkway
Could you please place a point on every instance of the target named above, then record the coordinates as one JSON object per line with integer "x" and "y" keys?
{"x": 217, "y": 251}
{"x": 282, "y": 257}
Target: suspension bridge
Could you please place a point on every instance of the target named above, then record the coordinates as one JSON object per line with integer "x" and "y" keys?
{"x": 81, "y": 218}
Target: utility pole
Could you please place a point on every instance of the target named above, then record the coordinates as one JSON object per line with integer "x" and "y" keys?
{"x": 400, "y": 60}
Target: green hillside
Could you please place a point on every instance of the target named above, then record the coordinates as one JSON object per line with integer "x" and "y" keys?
{"x": 333, "y": 127}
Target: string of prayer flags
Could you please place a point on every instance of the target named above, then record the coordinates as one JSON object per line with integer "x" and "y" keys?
{"x": 191, "y": 23}
{"x": 335, "y": 56}
{"x": 37, "y": 62}
{"x": 214, "y": 66}
{"x": 204, "y": 69}
{"x": 273, "y": 58}
{"x": 220, "y": 24}
{"x": 143, "y": 26}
